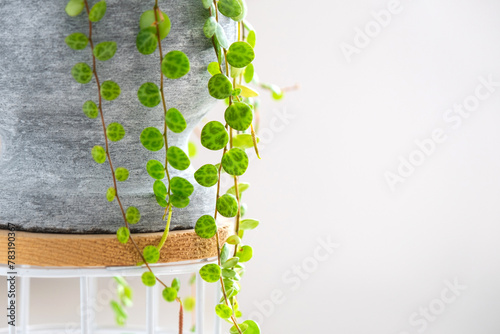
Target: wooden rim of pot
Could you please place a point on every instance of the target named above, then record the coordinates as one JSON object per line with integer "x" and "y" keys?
{"x": 102, "y": 250}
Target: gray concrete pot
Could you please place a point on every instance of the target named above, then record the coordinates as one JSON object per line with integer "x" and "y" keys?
{"x": 48, "y": 180}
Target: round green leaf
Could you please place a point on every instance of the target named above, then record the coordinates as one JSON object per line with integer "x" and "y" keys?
{"x": 205, "y": 227}
{"x": 221, "y": 37}
{"x": 155, "y": 169}
{"x": 239, "y": 116}
{"x": 105, "y": 50}
{"x": 227, "y": 205}
{"x": 189, "y": 303}
{"x": 230, "y": 8}
{"x": 161, "y": 201}
{"x": 82, "y": 73}
{"x": 234, "y": 240}
{"x": 147, "y": 41}
{"x": 249, "y": 72}
{"x": 206, "y": 3}
{"x": 97, "y": 12}
{"x": 149, "y": 95}
{"x": 175, "y": 121}
{"x": 210, "y": 272}
{"x": 209, "y": 27}
{"x": 74, "y": 7}
{"x": 213, "y": 68}
{"x": 242, "y": 186}
{"x": 123, "y": 234}
{"x": 121, "y": 174}
{"x": 148, "y": 19}
{"x": 133, "y": 215}
{"x": 160, "y": 189}
{"x": 240, "y": 54}
{"x": 148, "y": 278}
{"x": 206, "y": 175}
{"x": 110, "y": 90}
{"x": 245, "y": 253}
{"x": 248, "y": 224}
{"x": 223, "y": 311}
{"x": 230, "y": 263}
{"x": 152, "y": 139}
{"x": 115, "y": 131}
{"x": 179, "y": 201}
{"x": 235, "y": 161}
{"x": 77, "y": 41}
{"x": 220, "y": 87}
{"x": 169, "y": 294}
{"x": 90, "y": 109}
{"x": 151, "y": 254}
{"x": 251, "y": 38}
{"x": 253, "y": 327}
{"x": 110, "y": 194}
{"x": 175, "y": 65}
{"x": 214, "y": 136}
{"x": 177, "y": 158}
{"x": 99, "y": 154}
{"x": 224, "y": 253}
{"x": 181, "y": 186}
{"x": 176, "y": 284}
{"x": 243, "y": 327}
{"x": 243, "y": 141}
{"x": 192, "y": 150}
{"x": 243, "y": 11}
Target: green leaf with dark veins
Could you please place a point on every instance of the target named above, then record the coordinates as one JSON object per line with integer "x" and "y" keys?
{"x": 235, "y": 161}
{"x": 175, "y": 121}
{"x": 99, "y": 154}
{"x": 110, "y": 90}
{"x": 147, "y": 41}
{"x": 155, "y": 169}
{"x": 240, "y": 54}
{"x": 205, "y": 227}
{"x": 181, "y": 186}
{"x": 207, "y": 175}
{"x": 177, "y": 158}
{"x": 82, "y": 73}
{"x": 175, "y": 65}
{"x": 227, "y": 205}
{"x": 97, "y": 12}
{"x": 230, "y": 8}
{"x": 77, "y": 41}
{"x": 105, "y": 50}
{"x": 220, "y": 87}
{"x": 214, "y": 136}
{"x": 152, "y": 139}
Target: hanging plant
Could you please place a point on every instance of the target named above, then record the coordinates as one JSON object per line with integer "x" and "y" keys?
{"x": 231, "y": 77}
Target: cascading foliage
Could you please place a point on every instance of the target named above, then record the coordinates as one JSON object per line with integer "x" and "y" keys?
{"x": 230, "y": 76}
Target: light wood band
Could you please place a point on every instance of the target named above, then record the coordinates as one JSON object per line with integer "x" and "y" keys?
{"x": 96, "y": 250}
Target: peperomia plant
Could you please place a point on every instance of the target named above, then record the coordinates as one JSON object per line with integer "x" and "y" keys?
{"x": 230, "y": 76}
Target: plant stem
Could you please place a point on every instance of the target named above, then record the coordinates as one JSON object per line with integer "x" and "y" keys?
{"x": 94, "y": 70}
{"x": 169, "y": 208}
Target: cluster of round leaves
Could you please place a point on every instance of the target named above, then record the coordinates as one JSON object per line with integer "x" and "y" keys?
{"x": 215, "y": 136}
{"x": 109, "y": 90}
{"x": 155, "y": 26}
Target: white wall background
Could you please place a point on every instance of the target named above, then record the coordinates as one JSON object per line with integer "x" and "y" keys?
{"x": 322, "y": 174}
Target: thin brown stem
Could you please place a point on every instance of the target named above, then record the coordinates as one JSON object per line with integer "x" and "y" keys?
{"x": 108, "y": 155}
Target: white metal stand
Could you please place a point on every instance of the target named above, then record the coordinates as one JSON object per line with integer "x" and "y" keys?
{"x": 88, "y": 284}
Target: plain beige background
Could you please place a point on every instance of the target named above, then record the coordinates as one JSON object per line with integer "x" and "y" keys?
{"x": 328, "y": 149}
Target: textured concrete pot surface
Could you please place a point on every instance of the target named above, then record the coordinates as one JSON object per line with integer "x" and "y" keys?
{"x": 48, "y": 180}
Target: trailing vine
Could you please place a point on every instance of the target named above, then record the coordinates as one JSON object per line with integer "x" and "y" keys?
{"x": 230, "y": 77}
{"x": 234, "y": 63}
{"x": 110, "y": 90}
